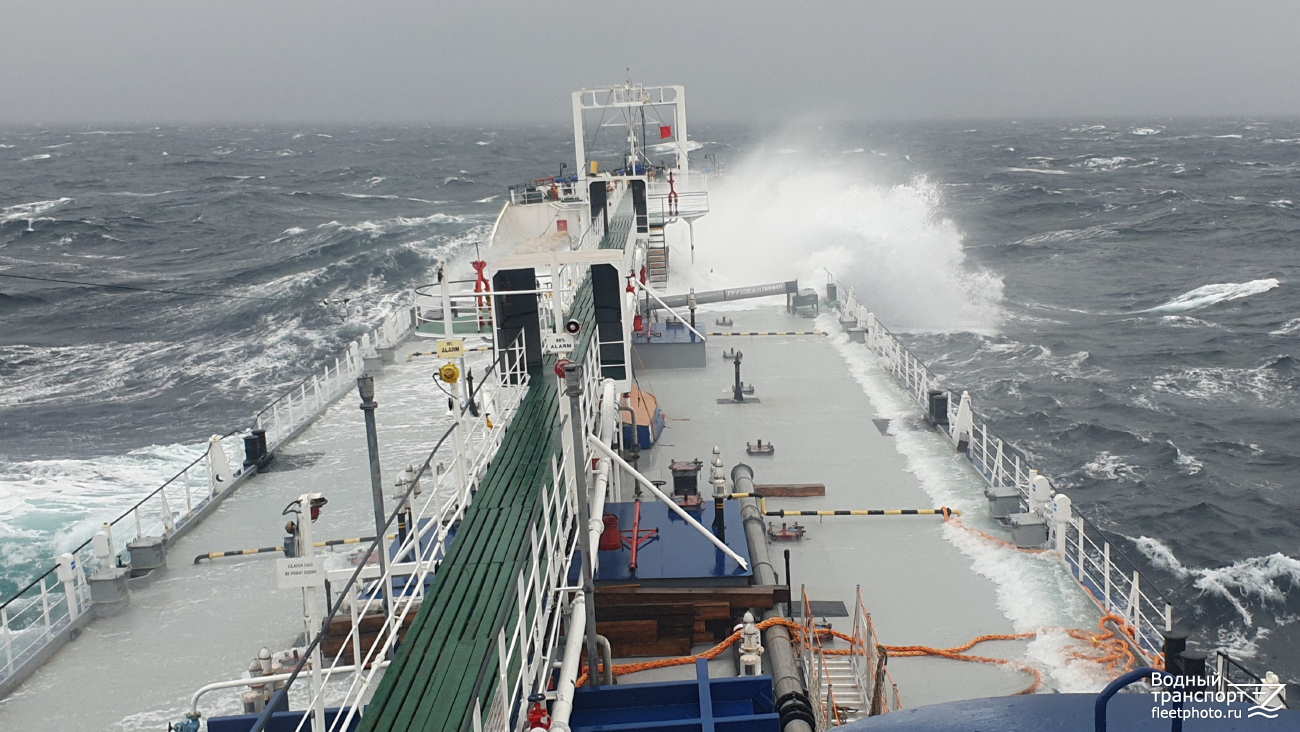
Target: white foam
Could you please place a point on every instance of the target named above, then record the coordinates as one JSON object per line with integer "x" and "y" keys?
{"x": 1111, "y": 467}
{"x": 777, "y": 219}
{"x": 1259, "y": 577}
{"x": 1187, "y": 463}
{"x": 1046, "y": 171}
{"x": 55, "y": 504}
{"x": 1290, "y": 328}
{"x": 1146, "y": 131}
{"x": 1265, "y": 578}
{"x": 1034, "y": 591}
{"x": 1207, "y": 295}
{"x": 38, "y": 156}
{"x": 1222, "y": 383}
{"x": 1103, "y": 163}
{"x": 29, "y": 211}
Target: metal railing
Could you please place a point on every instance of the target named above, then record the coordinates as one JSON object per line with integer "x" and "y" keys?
{"x": 541, "y": 190}
{"x": 667, "y": 207}
{"x": 427, "y": 544}
{"x": 1109, "y": 577}
{"x": 469, "y": 309}
{"x": 46, "y": 610}
{"x": 866, "y": 659}
{"x": 528, "y": 633}
{"x": 528, "y": 639}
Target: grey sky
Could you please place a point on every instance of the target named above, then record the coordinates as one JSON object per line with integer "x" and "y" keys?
{"x": 84, "y": 61}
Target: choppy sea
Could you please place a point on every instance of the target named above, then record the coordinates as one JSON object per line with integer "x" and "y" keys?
{"x": 1118, "y": 296}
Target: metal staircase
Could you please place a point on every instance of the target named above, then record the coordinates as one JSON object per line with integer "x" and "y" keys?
{"x": 844, "y": 699}
{"x": 657, "y": 258}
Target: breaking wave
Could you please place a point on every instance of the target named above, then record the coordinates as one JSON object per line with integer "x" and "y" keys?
{"x": 1267, "y": 579}
{"x": 1208, "y": 295}
{"x": 780, "y": 218}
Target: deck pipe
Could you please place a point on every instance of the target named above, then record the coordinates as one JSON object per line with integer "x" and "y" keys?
{"x": 791, "y": 694}
{"x": 596, "y": 521}
{"x": 575, "y": 637}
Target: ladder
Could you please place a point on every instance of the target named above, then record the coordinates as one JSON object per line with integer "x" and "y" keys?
{"x": 843, "y": 698}
{"x": 656, "y": 257}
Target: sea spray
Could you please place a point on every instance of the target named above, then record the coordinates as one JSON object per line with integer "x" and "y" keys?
{"x": 782, "y": 217}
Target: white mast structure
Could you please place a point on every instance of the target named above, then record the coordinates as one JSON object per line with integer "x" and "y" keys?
{"x": 629, "y": 99}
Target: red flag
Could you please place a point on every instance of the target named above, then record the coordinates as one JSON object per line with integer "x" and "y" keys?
{"x": 665, "y": 132}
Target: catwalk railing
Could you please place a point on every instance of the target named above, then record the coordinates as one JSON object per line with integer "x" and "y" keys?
{"x": 470, "y": 444}
{"x": 528, "y": 642}
{"x": 1109, "y": 577}
{"x": 45, "y": 611}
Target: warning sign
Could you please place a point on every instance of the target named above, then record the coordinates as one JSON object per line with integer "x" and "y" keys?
{"x": 451, "y": 348}
{"x": 305, "y": 572}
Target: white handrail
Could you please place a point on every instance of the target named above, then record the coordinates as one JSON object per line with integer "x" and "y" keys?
{"x": 999, "y": 465}
{"x": 645, "y": 483}
{"x": 665, "y": 307}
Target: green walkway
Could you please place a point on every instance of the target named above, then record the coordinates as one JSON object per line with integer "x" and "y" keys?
{"x": 620, "y": 222}
{"x": 453, "y": 641}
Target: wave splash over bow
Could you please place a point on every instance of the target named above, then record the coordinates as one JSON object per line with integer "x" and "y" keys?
{"x": 778, "y": 217}
{"x": 1208, "y": 295}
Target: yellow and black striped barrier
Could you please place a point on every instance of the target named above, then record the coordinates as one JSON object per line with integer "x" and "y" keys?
{"x": 762, "y": 507}
{"x": 769, "y": 333}
{"x": 782, "y": 513}
{"x": 269, "y": 549}
{"x": 435, "y": 353}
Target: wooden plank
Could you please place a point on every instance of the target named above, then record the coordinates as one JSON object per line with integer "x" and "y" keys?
{"x": 670, "y": 647}
{"x": 625, "y": 631}
{"x": 713, "y": 611}
{"x": 759, "y": 596}
{"x": 790, "y": 490}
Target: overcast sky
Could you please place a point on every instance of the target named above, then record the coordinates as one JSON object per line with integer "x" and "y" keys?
{"x": 409, "y": 61}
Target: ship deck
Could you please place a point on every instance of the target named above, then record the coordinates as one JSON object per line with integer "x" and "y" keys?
{"x": 196, "y": 624}
{"x": 917, "y": 586}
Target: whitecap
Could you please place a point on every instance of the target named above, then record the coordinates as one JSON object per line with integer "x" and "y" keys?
{"x": 1107, "y": 466}
{"x": 1207, "y": 295}
{"x": 1187, "y": 463}
{"x": 483, "y": 142}
{"x": 1146, "y": 131}
{"x": 489, "y": 199}
{"x": 29, "y": 211}
{"x": 38, "y": 156}
{"x": 1291, "y": 327}
{"x": 1259, "y": 577}
{"x": 1045, "y": 171}
{"x": 1160, "y": 555}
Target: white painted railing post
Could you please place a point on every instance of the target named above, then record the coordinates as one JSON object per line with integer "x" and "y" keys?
{"x": 45, "y": 607}
{"x": 66, "y": 573}
{"x": 1078, "y": 527}
{"x": 9, "y": 643}
{"x": 1105, "y": 566}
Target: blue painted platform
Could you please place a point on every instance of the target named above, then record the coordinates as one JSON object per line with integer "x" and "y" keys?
{"x": 1062, "y": 713}
{"x": 734, "y": 704}
{"x": 669, "y": 346}
{"x": 679, "y": 552}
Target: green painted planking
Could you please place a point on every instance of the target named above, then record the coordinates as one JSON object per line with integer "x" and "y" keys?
{"x": 430, "y": 685}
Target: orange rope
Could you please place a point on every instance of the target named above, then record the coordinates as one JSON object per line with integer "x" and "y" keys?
{"x": 948, "y": 517}
{"x": 1111, "y": 650}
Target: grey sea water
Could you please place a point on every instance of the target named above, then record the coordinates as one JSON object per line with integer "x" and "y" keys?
{"x": 1128, "y": 316}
